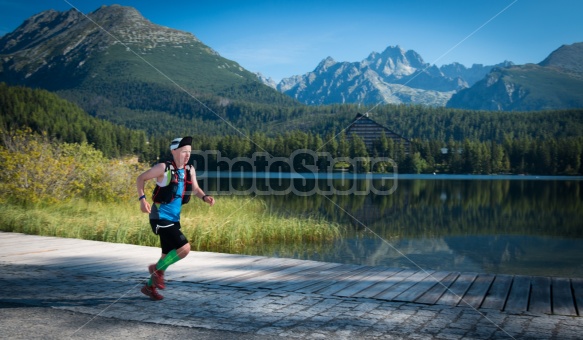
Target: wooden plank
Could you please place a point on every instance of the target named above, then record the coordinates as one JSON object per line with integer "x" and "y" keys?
{"x": 577, "y": 285}
{"x": 317, "y": 277}
{"x": 420, "y": 288}
{"x": 61, "y": 244}
{"x": 477, "y": 291}
{"x": 281, "y": 275}
{"x": 333, "y": 280}
{"x": 498, "y": 293}
{"x": 259, "y": 275}
{"x": 7, "y": 234}
{"x": 518, "y": 296}
{"x": 563, "y": 299}
{"x": 15, "y": 244}
{"x": 227, "y": 268}
{"x": 395, "y": 290}
{"x": 257, "y": 268}
{"x": 35, "y": 239}
{"x": 82, "y": 261}
{"x": 303, "y": 274}
{"x": 101, "y": 265}
{"x": 304, "y": 277}
{"x": 73, "y": 246}
{"x": 348, "y": 281}
{"x": 433, "y": 294}
{"x": 386, "y": 283}
{"x": 540, "y": 295}
{"x": 56, "y": 257}
{"x": 227, "y": 261}
{"x": 355, "y": 289}
{"x": 14, "y": 251}
{"x": 214, "y": 269}
{"x": 203, "y": 261}
{"x": 457, "y": 290}
{"x": 265, "y": 274}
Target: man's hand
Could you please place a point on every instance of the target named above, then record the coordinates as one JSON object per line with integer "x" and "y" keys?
{"x": 145, "y": 206}
{"x": 209, "y": 199}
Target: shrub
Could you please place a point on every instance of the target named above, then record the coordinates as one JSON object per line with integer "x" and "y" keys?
{"x": 37, "y": 169}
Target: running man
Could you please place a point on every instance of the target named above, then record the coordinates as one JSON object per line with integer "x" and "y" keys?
{"x": 175, "y": 183}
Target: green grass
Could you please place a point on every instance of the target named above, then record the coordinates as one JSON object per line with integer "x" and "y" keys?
{"x": 233, "y": 225}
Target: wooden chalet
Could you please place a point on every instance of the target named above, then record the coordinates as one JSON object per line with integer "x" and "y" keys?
{"x": 369, "y": 131}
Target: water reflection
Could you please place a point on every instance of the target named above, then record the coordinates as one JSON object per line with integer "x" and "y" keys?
{"x": 531, "y": 227}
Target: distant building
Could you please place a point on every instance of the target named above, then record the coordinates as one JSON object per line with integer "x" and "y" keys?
{"x": 369, "y": 131}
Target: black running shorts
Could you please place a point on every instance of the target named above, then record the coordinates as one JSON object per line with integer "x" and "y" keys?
{"x": 170, "y": 235}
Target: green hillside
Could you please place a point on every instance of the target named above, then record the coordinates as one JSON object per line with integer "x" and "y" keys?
{"x": 546, "y": 86}
{"x": 181, "y": 91}
{"x": 523, "y": 88}
{"x": 192, "y": 69}
{"x": 136, "y": 74}
{"x": 45, "y": 112}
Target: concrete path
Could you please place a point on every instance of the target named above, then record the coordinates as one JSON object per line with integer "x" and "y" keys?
{"x": 102, "y": 280}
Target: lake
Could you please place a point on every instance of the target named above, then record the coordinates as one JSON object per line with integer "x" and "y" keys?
{"x": 527, "y": 225}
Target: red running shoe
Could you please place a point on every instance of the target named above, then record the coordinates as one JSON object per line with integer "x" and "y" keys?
{"x": 157, "y": 277}
{"x": 151, "y": 292}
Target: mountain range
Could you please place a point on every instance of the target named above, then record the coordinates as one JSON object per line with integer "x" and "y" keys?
{"x": 394, "y": 76}
{"x": 116, "y": 64}
{"x": 398, "y": 76}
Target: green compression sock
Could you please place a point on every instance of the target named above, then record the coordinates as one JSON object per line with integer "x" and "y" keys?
{"x": 170, "y": 258}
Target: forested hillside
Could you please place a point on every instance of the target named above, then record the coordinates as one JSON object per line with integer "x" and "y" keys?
{"x": 444, "y": 140}
{"x": 45, "y": 112}
{"x": 525, "y": 155}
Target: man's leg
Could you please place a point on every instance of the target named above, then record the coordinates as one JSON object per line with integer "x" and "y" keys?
{"x": 157, "y": 270}
{"x": 175, "y": 247}
{"x": 172, "y": 257}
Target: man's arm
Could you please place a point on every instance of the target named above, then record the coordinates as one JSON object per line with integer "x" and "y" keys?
{"x": 197, "y": 191}
{"x": 156, "y": 171}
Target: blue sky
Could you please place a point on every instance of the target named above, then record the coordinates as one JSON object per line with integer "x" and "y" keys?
{"x": 284, "y": 38}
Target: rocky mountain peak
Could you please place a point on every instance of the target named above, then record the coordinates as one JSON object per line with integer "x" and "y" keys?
{"x": 128, "y": 25}
{"x": 118, "y": 13}
{"x": 69, "y": 39}
{"x": 394, "y": 62}
{"x": 108, "y": 24}
{"x": 36, "y": 28}
{"x": 393, "y": 76}
{"x": 393, "y": 52}
{"x": 325, "y": 64}
{"x": 116, "y": 17}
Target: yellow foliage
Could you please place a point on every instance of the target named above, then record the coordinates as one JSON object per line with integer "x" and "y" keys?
{"x": 36, "y": 169}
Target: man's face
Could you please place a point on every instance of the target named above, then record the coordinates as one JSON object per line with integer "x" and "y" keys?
{"x": 182, "y": 155}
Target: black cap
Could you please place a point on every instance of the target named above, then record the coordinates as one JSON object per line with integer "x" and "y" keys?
{"x": 180, "y": 142}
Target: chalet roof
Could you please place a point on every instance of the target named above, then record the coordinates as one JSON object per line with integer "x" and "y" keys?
{"x": 365, "y": 119}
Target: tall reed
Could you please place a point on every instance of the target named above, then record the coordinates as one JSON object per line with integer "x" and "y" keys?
{"x": 233, "y": 225}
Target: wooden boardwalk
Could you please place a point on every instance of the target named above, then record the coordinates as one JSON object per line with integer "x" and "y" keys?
{"x": 511, "y": 293}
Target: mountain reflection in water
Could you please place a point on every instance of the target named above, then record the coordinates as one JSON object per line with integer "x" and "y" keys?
{"x": 511, "y": 226}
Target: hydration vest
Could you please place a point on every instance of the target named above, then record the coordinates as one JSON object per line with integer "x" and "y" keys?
{"x": 166, "y": 194}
